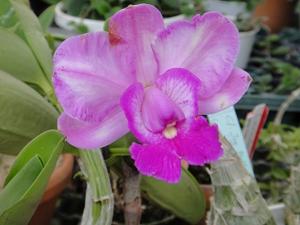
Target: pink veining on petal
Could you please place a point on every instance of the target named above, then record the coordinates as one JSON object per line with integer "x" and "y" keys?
{"x": 138, "y": 26}
{"x": 88, "y": 77}
{"x": 207, "y": 46}
{"x": 150, "y": 110}
{"x": 198, "y": 143}
{"x": 131, "y": 103}
{"x": 182, "y": 88}
{"x": 157, "y": 160}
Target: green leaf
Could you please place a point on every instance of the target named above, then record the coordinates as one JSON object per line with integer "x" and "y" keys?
{"x": 102, "y": 7}
{"x": 75, "y": 7}
{"x": 14, "y": 191}
{"x": 7, "y": 15}
{"x": 152, "y": 2}
{"x": 24, "y": 114}
{"x": 28, "y": 178}
{"x": 34, "y": 36}
{"x": 46, "y": 18}
{"x": 185, "y": 199}
{"x": 51, "y": 2}
{"x": 17, "y": 59}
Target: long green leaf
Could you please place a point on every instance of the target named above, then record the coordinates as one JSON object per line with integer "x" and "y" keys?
{"x": 185, "y": 199}
{"x": 24, "y": 114}
{"x": 33, "y": 33}
{"x": 7, "y": 15}
{"x": 17, "y": 59}
{"x": 14, "y": 191}
{"x": 46, "y": 18}
{"x": 38, "y": 159}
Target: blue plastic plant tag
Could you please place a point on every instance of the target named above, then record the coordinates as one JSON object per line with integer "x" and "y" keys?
{"x": 230, "y": 128}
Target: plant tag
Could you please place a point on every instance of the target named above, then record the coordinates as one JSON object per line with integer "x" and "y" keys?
{"x": 255, "y": 121}
{"x": 229, "y": 127}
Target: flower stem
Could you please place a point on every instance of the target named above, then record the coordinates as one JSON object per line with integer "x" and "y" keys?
{"x": 99, "y": 200}
{"x": 132, "y": 195}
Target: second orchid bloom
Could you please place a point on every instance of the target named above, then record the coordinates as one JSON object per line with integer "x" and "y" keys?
{"x": 153, "y": 81}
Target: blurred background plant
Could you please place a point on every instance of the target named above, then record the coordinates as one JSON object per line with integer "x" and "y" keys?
{"x": 103, "y": 9}
{"x": 251, "y": 4}
{"x": 275, "y": 62}
{"x": 278, "y": 151}
{"x": 240, "y": 11}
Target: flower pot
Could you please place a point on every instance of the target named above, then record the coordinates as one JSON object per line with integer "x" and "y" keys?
{"x": 278, "y": 213}
{"x": 169, "y": 20}
{"x": 58, "y": 181}
{"x": 232, "y": 8}
{"x": 67, "y": 22}
{"x": 278, "y": 13}
{"x": 247, "y": 40}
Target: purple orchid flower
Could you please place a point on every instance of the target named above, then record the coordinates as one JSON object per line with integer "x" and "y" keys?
{"x": 153, "y": 80}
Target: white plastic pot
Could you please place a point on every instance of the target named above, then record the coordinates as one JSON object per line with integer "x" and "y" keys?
{"x": 278, "y": 213}
{"x": 67, "y": 22}
{"x": 169, "y": 20}
{"x": 247, "y": 40}
{"x": 232, "y": 8}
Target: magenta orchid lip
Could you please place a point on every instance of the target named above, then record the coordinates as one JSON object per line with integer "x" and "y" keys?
{"x": 153, "y": 81}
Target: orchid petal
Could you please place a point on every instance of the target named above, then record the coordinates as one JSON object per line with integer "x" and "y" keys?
{"x": 182, "y": 88}
{"x": 207, "y": 46}
{"x": 157, "y": 160}
{"x": 231, "y": 92}
{"x": 158, "y": 110}
{"x": 137, "y": 26}
{"x": 90, "y": 135}
{"x": 131, "y": 103}
{"x": 89, "y": 76}
{"x": 198, "y": 143}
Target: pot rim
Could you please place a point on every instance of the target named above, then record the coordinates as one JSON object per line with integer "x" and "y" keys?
{"x": 59, "y": 178}
{"x": 59, "y": 12}
{"x": 250, "y": 32}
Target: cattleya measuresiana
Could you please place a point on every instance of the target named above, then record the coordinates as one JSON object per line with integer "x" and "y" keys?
{"x": 154, "y": 81}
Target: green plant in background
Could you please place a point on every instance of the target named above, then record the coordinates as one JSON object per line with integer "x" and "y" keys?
{"x": 103, "y": 9}
{"x": 251, "y": 4}
{"x": 243, "y": 17}
{"x": 245, "y": 24}
{"x": 297, "y": 8}
{"x": 292, "y": 198}
{"x": 275, "y": 62}
{"x": 280, "y": 148}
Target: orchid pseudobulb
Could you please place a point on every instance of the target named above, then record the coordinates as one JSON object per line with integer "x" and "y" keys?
{"x": 154, "y": 81}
